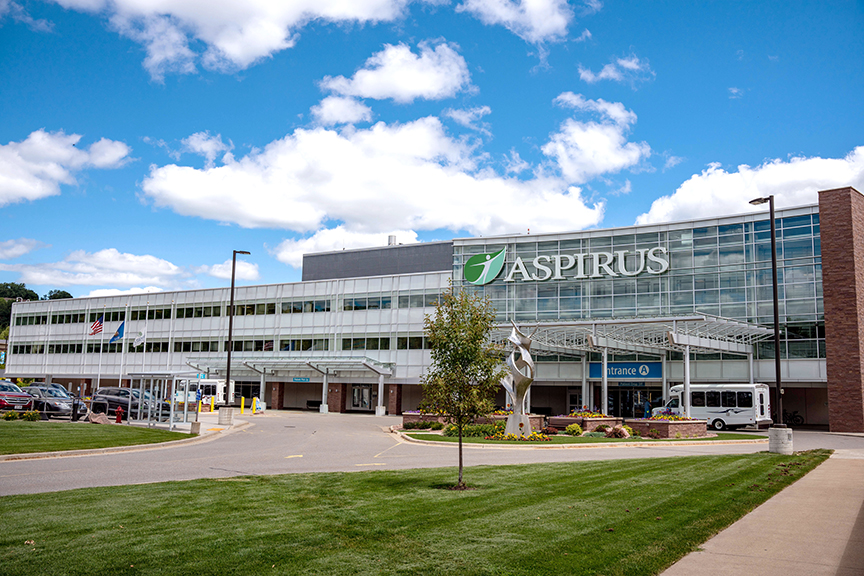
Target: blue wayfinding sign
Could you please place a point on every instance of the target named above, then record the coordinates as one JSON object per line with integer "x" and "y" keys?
{"x": 626, "y": 370}
{"x": 300, "y": 379}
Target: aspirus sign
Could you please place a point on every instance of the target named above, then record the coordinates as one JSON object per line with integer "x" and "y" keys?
{"x": 484, "y": 268}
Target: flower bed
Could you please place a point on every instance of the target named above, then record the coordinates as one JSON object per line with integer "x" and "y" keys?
{"x": 535, "y": 419}
{"x": 669, "y": 428}
{"x": 587, "y": 424}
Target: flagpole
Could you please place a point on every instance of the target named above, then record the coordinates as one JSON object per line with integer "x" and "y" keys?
{"x": 123, "y": 350}
{"x": 144, "y": 351}
{"x": 101, "y": 340}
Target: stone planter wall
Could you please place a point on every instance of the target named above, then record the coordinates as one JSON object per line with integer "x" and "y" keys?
{"x": 671, "y": 428}
{"x": 587, "y": 424}
{"x": 537, "y": 421}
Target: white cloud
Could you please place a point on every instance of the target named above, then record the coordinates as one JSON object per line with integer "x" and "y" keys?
{"x": 203, "y": 144}
{"x": 118, "y": 292}
{"x": 630, "y": 69}
{"x": 470, "y": 117}
{"x": 671, "y": 161}
{"x": 11, "y": 249}
{"x": 591, "y": 7}
{"x": 34, "y": 168}
{"x": 234, "y": 34}
{"x": 107, "y": 267}
{"x": 584, "y": 150}
{"x": 735, "y": 93}
{"x": 291, "y": 251}
{"x": 244, "y": 270}
{"x": 534, "y": 21}
{"x": 793, "y": 182}
{"x": 334, "y": 110}
{"x": 410, "y": 176}
{"x": 439, "y": 71}
{"x": 20, "y": 15}
{"x": 586, "y": 35}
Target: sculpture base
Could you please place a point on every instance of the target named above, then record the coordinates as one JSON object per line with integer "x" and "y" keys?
{"x": 518, "y": 424}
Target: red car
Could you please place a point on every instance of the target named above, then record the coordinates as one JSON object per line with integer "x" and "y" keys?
{"x": 13, "y": 398}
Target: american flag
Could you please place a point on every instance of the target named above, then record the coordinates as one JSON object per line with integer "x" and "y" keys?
{"x": 96, "y": 327}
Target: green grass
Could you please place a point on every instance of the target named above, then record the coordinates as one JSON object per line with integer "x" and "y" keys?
{"x": 19, "y": 437}
{"x": 560, "y": 439}
{"x": 622, "y": 517}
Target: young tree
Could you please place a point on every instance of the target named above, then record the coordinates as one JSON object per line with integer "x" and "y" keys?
{"x": 466, "y": 367}
{"x": 57, "y": 295}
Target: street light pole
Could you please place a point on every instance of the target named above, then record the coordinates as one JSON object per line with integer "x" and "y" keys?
{"x": 231, "y": 324}
{"x": 770, "y": 200}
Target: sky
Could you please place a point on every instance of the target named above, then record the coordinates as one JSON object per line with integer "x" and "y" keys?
{"x": 141, "y": 141}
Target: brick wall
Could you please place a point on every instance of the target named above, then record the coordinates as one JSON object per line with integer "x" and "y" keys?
{"x": 841, "y": 216}
{"x": 336, "y": 397}
{"x": 394, "y": 399}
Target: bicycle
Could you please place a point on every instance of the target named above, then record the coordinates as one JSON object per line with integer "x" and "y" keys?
{"x": 792, "y": 418}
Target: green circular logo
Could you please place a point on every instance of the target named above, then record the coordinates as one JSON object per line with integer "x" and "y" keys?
{"x": 482, "y": 269}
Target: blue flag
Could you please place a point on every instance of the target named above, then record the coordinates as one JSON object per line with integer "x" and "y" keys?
{"x": 118, "y": 334}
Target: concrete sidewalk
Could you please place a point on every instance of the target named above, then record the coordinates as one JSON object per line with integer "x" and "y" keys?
{"x": 814, "y": 527}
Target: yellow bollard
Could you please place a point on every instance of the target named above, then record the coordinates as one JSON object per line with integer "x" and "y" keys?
{"x": 242, "y": 404}
{"x": 199, "y": 407}
{"x": 211, "y": 403}
{"x": 253, "y": 405}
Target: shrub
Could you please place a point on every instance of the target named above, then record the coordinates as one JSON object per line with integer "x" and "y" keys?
{"x": 617, "y": 432}
{"x": 573, "y": 430}
{"x": 436, "y": 425}
{"x": 653, "y": 433}
{"x": 11, "y": 415}
{"x": 601, "y": 428}
{"x": 629, "y": 430}
{"x": 550, "y": 430}
{"x": 31, "y": 415}
{"x": 533, "y": 437}
{"x": 594, "y": 435}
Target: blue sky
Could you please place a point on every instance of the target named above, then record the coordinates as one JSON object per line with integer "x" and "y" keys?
{"x": 142, "y": 141}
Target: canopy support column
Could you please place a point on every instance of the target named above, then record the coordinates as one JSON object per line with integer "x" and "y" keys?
{"x": 323, "y": 409}
{"x": 685, "y": 400}
{"x": 380, "y": 410}
{"x": 665, "y": 380}
{"x": 604, "y": 394}
{"x": 586, "y": 393}
{"x": 750, "y": 366}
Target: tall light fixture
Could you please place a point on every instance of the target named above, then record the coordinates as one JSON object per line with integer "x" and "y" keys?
{"x": 231, "y": 323}
{"x": 770, "y": 201}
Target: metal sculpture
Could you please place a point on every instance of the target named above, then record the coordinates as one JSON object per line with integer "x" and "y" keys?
{"x": 518, "y": 382}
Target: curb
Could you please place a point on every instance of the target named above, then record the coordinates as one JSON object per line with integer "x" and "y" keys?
{"x": 406, "y": 438}
{"x": 135, "y": 448}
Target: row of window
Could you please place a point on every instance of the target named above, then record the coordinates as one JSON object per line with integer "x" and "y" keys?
{"x": 31, "y": 320}
{"x": 151, "y": 314}
{"x": 721, "y": 399}
{"x": 198, "y": 311}
{"x": 385, "y": 301}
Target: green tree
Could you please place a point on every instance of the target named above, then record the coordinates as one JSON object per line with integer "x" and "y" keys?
{"x": 57, "y": 295}
{"x": 14, "y": 290}
{"x": 466, "y": 367}
{"x": 5, "y": 312}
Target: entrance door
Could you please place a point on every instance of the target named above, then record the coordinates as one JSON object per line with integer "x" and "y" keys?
{"x": 364, "y": 397}
{"x": 574, "y": 400}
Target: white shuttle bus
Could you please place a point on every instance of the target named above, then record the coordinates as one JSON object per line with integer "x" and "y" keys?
{"x": 209, "y": 388}
{"x": 723, "y": 405}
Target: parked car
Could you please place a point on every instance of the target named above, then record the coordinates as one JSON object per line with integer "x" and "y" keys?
{"x": 109, "y": 398}
{"x": 54, "y": 401}
{"x": 13, "y": 398}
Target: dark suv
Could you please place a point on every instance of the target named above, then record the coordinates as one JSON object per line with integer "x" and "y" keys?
{"x": 109, "y": 398}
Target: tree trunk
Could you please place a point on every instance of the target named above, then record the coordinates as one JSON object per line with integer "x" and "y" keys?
{"x": 460, "y": 484}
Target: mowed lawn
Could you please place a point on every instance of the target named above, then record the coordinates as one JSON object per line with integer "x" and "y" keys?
{"x": 618, "y": 517}
{"x": 19, "y": 437}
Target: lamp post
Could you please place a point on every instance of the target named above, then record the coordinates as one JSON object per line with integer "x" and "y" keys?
{"x": 770, "y": 201}
{"x": 231, "y": 323}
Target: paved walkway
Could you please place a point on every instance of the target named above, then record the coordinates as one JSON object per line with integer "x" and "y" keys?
{"x": 813, "y": 528}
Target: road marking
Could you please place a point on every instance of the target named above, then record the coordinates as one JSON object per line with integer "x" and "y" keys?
{"x": 382, "y": 452}
{"x": 214, "y": 429}
{"x": 295, "y": 456}
{"x": 373, "y": 464}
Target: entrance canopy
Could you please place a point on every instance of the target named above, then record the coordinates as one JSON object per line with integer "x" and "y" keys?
{"x": 700, "y": 332}
{"x": 321, "y": 365}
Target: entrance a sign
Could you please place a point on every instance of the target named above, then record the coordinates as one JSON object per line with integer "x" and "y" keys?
{"x": 626, "y": 370}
